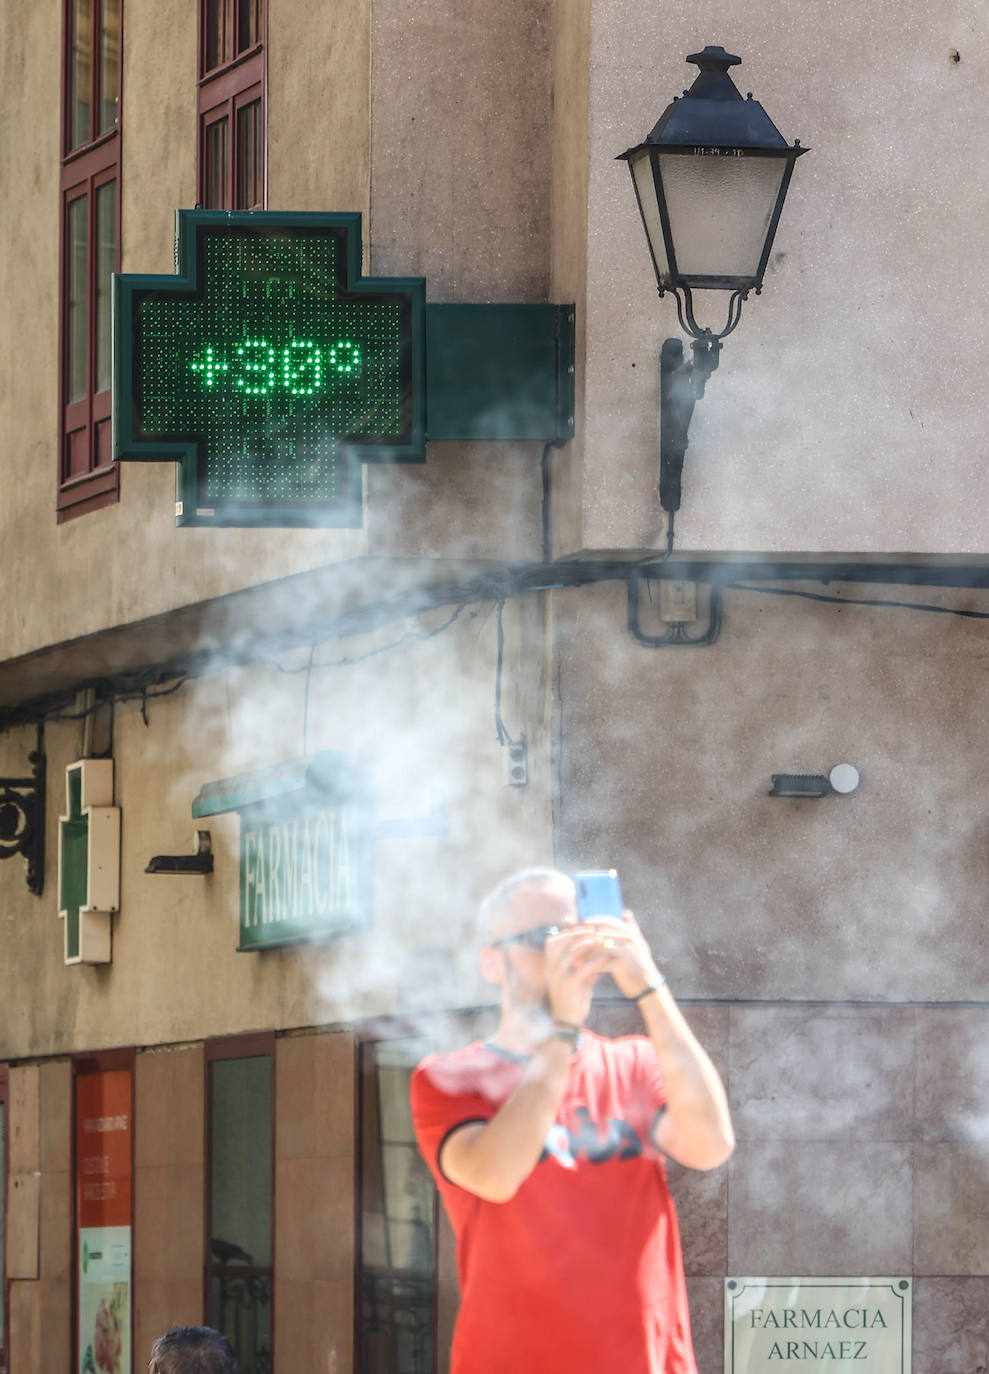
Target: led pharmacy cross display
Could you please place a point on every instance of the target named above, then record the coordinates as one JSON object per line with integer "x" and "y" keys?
{"x": 270, "y": 369}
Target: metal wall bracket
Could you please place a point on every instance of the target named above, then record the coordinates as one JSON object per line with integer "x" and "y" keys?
{"x": 500, "y": 371}
{"x": 799, "y": 785}
{"x": 677, "y": 635}
{"x": 22, "y": 817}
{"x": 681, "y": 385}
{"x": 199, "y": 861}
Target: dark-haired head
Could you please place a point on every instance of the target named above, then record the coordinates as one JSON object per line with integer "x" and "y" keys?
{"x": 192, "y": 1350}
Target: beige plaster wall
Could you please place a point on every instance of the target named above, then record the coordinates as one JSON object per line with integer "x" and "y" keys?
{"x": 417, "y": 720}
{"x": 319, "y": 114}
{"x": 440, "y": 80}
{"x": 844, "y": 414}
{"x": 571, "y": 71}
{"x": 128, "y": 560}
{"x": 461, "y": 114}
{"x": 666, "y": 757}
{"x": 460, "y": 119}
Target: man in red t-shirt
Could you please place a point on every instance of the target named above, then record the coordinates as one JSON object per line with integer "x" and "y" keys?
{"x": 546, "y": 1143}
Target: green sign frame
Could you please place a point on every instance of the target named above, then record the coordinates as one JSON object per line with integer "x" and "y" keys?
{"x": 268, "y": 368}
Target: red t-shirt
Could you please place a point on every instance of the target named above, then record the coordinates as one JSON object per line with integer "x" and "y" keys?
{"x": 581, "y": 1271}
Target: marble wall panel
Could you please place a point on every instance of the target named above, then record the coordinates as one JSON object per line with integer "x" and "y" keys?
{"x": 951, "y": 1326}
{"x": 56, "y": 1226}
{"x": 25, "y": 1326}
{"x": 952, "y": 1209}
{"x": 315, "y": 1096}
{"x": 55, "y": 1104}
{"x": 707, "y": 1322}
{"x": 23, "y": 1136}
{"x": 296, "y": 1217}
{"x": 333, "y": 1326}
{"x": 822, "y": 1073}
{"x": 820, "y": 1208}
{"x": 56, "y": 1325}
{"x": 23, "y": 1226}
{"x": 168, "y": 1223}
{"x": 702, "y": 1209}
{"x": 169, "y": 1108}
{"x": 160, "y": 1304}
{"x": 293, "y": 1324}
{"x": 953, "y": 1074}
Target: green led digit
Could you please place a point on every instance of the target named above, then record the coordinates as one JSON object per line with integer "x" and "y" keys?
{"x": 344, "y": 357}
{"x": 210, "y": 366}
{"x": 302, "y": 367}
{"x": 258, "y": 361}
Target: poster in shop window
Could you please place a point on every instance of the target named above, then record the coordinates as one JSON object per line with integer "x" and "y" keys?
{"x": 103, "y": 1212}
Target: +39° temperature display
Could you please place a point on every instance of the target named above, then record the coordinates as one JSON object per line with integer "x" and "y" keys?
{"x": 256, "y": 368}
{"x": 273, "y": 365}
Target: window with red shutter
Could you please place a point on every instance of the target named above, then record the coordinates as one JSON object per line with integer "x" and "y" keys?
{"x": 232, "y": 79}
{"x": 90, "y": 251}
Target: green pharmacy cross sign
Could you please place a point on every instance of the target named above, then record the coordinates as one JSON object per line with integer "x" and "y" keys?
{"x": 268, "y": 368}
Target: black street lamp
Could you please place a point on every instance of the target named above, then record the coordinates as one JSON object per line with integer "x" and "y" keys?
{"x": 710, "y": 180}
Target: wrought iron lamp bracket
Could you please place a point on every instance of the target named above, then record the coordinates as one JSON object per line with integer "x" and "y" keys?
{"x": 22, "y": 817}
{"x": 685, "y": 310}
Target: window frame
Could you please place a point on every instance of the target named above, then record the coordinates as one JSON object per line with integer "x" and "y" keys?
{"x": 224, "y": 90}
{"x": 92, "y": 163}
{"x": 251, "y": 1045}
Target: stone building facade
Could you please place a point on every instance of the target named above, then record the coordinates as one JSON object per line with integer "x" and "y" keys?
{"x": 830, "y": 950}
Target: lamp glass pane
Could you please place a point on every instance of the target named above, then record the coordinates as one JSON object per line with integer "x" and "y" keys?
{"x": 645, "y": 189}
{"x": 720, "y": 209}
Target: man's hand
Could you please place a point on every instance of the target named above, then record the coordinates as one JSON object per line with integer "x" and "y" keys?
{"x": 630, "y": 960}
{"x": 575, "y": 960}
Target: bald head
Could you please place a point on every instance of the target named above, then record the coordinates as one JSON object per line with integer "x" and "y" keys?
{"x": 531, "y": 897}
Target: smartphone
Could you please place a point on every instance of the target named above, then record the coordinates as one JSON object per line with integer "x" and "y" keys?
{"x": 599, "y": 895}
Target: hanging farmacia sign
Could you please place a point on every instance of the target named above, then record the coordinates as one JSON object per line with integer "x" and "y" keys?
{"x": 305, "y": 849}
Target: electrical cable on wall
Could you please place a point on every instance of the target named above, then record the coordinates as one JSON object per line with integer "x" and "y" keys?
{"x": 503, "y": 736}
{"x": 146, "y": 685}
{"x": 857, "y": 600}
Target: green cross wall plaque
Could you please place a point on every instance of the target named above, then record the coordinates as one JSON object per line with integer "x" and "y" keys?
{"x": 268, "y": 368}
{"x": 88, "y": 861}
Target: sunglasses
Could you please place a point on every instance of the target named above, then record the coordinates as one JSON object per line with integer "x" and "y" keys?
{"x": 535, "y": 938}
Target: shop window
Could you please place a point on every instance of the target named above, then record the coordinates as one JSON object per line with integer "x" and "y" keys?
{"x": 398, "y": 1218}
{"x": 3, "y": 1218}
{"x": 240, "y": 1197}
{"x": 90, "y": 239}
{"x": 232, "y": 79}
